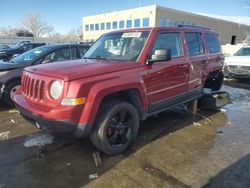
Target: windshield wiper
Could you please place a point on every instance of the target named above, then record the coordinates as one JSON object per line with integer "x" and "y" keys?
{"x": 97, "y": 57}
{"x": 103, "y": 58}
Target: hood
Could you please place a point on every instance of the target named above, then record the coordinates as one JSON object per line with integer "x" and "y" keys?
{"x": 76, "y": 69}
{"x": 6, "y": 65}
{"x": 9, "y": 50}
{"x": 238, "y": 60}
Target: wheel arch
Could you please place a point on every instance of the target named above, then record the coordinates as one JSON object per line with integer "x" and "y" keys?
{"x": 133, "y": 93}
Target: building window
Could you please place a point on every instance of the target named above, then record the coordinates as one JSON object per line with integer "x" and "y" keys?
{"x": 108, "y": 26}
{"x": 195, "y": 44}
{"x": 162, "y": 21}
{"x": 121, "y": 24}
{"x": 176, "y": 23}
{"x": 182, "y": 22}
{"x": 114, "y": 25}
{"x": 102, "y": 26}
{"x": 145, "y": 22}
{"x": 91, "y": 27}
{"x": 137, "y": 23}
{"x": 86, "y": 27}
{"x": 129, "y": 23}
{"x": 169, "y": 22}
{"x": 96, "y": 27}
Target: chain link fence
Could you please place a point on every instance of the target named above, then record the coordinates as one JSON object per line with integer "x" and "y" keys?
{"x": 14, "y": 39}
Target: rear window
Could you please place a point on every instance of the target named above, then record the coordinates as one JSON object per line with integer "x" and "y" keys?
{"x": 213, "y": 43}
{"x": 194, "y": 43}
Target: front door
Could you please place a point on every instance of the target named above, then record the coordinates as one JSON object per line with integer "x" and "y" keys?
{"x": 166, "y": 81}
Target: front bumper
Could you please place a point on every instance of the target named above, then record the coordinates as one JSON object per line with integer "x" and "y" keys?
{"x": 236, "y": 72}
{"x": 2, "y": 86}
{"x": 54, "y": 125}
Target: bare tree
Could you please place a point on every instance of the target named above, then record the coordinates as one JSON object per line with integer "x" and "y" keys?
{"x": 8, "y": 31}
{"x": 33, "y": 23}
{"x": 76, "y": 33}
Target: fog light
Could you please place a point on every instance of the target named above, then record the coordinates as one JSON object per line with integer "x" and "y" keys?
{"x": 77, "y": 101}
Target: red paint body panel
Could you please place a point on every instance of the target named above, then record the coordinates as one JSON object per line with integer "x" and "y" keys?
{"x": 95, "y": 79}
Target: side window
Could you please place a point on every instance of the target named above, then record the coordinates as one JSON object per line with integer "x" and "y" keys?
{"x": 194, "y": 43}
{"x": 82, "y": 50}
{"x": 213, "y": 43}
{"x": 25, "y": 47}
{"x": 73, "y": 53}
{"x": 58, "y": 55}
{"x": 170, "y": 41}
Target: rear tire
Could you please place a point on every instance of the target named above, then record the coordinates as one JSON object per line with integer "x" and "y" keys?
{"x": 215, "y": 82}
{"x": 116, "y": 127}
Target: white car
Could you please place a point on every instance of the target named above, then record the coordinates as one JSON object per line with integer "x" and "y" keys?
{"x": 238, "y": 65}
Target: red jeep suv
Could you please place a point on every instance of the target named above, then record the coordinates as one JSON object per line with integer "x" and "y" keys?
{"x": 125, "y": 77}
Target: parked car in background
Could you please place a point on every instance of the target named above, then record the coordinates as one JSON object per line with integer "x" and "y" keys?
{"x": 22, "y": 42}
{"x": 238, "y": 65}
{"x": 125, "y": 77}
{"x": 7, "y": 54}
{"x": 11, "y": 71}
{"x": 4, "y": 47}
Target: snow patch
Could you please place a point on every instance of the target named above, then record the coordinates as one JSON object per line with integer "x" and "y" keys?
{"x": 239, "y": 99}
{"x": 4, "y": 135}
{"x": 39, "y": 139}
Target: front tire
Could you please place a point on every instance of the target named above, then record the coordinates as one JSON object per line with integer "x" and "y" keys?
{"x": 9, "y": 92}
{"x": 116, "y": 127}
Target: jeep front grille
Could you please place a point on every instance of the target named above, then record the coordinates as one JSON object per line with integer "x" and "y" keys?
{"x": 33, "y": 88}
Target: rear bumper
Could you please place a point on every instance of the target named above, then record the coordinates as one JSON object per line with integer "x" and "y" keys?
{"x": 54, "y": 125}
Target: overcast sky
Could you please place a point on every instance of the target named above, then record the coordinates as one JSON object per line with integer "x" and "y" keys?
{"x": 65, "y": 14}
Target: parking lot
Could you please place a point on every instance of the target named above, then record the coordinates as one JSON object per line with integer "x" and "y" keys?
{"x": 173, "y": 149}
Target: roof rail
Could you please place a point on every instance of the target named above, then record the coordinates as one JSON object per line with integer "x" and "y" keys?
{"x": 180, "y": 25}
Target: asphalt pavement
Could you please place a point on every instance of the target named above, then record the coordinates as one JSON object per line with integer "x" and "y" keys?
{"x": 173, "y": 149}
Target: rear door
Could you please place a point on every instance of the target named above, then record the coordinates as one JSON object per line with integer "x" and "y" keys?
{"x": 197, "y": 59}
{"x": 167, "y": 80}
{"x": 215, "y": 56}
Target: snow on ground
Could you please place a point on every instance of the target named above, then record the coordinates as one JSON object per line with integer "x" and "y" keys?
{"x": 39, "y": 139}
{"x": 239, "y": 99}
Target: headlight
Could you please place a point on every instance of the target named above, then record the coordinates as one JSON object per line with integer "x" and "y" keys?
{"x": 3, "y": 73}
{"x": 56, "y": 89}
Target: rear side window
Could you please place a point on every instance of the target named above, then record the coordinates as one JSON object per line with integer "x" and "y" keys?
{"x": 170, "y": 41}
{"x": 213, "y": 43}
{"x": 194, "y": 43}
{"x": 58, "y": 55}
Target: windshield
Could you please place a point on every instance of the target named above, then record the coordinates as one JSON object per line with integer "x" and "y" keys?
{"x": 30, "y": 55}
{"x": 125, "y": 46}
{"x": 243, "y": 52}
{"x": 16, "y": 46}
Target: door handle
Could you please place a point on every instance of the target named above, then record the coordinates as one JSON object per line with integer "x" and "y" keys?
{"x": 204, "y": 62}
{"x": 182, "y": 65}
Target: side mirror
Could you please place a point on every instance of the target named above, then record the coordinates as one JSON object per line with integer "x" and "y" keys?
{"x": 160, "y": 55}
